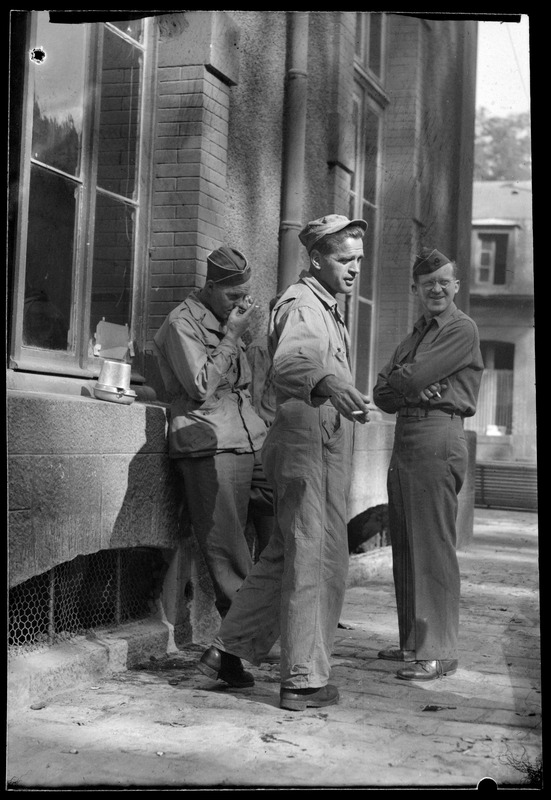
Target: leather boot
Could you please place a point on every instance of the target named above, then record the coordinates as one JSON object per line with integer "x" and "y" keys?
{"x": 299, "y": 699}
{"x": 226, "y": 667}
{"x": 427, "y": 670}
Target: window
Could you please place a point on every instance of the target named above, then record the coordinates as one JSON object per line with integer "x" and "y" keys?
{"x": 363, "y": 205}
{"x": 78, "y": 253}
{"x": 494, "y": 411}
{"x": 368, "y": 106}
{"x": 369, "y": 42}
{"x": 491, "y": 258}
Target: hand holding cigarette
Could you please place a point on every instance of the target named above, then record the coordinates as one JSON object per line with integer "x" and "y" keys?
{"x": 432, "y": 391}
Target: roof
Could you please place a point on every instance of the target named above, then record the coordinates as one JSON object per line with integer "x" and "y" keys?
{"x": 501, "y": 202}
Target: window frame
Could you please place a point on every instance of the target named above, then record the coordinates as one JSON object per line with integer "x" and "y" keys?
{"x": 490, "y": 267}
{"x": 368, "y": 99}
{"x": 492, "y": 232}
{"x": 361, "y": 60}
{"x": 496, "y": 398}
{"x": 79, "y": 362}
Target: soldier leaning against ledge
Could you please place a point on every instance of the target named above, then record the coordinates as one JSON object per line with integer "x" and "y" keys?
{"x": 215, "y": 434}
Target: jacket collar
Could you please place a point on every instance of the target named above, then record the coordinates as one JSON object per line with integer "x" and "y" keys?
{"x": 201, "y": 313}
{"x": 326, "y": 298}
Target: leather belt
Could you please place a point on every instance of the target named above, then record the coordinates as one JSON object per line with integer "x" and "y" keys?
{"x": 418, "y": 411}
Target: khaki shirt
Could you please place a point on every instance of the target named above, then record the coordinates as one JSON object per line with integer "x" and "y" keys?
{"x": 208, "y": 379}
{"x": 449, "y": 351}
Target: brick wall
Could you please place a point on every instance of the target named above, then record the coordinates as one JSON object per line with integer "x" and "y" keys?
{"x": 189, "y": 186}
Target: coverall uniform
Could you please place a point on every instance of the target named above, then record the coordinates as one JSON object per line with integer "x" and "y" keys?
{"x": 296, "y": 589}
{"x": 214, "y": 437}
{"x": 426, "y": 472}
{"x": 261, "y": 388}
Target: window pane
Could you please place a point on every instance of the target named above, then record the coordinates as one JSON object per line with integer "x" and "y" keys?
{"x": 49, "y": 268}
{"x": 375, "y": 42}
{"x": 58, "y": 94}
{"x": 113, "y": 259}
{"x": 485, "y": 259}
{"x": 371, "y": 132}
{"x": 359, "y": 33}
{"x": 119, "y": 115}
{"x": 504, "y": 355}
{"x": 355, "y": 130}
{"x": 504, "y": 404}
{"x": 132, "y": 28}
{"x": 500, "y": 268}
{"x": 363, "y": 346}
{"x": 368, "y": 263}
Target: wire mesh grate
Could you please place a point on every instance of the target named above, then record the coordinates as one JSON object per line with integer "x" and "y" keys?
{"x": 94, "y": 591}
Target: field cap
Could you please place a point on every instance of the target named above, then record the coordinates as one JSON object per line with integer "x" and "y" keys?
{"x": 331, "y": 223}
{"x": 227, "y": 266}
{"x": 429, "y": 261}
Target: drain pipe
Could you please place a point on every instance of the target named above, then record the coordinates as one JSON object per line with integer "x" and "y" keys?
{"x": 293, "y": 150}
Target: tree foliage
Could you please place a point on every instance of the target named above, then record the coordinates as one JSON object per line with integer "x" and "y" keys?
{"x": 502, "y": 147}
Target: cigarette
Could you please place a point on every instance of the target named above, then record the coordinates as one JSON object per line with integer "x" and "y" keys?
{"x": 438, "y": 395}
{"x": 358, "y": 413}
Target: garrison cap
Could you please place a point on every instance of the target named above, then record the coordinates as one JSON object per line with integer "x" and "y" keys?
{"x": 331, "y": 223}
{"x": 429, "y": 261}
{"x": 227, "y": 266}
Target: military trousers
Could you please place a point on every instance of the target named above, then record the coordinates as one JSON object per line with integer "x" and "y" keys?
{"x": 296, "y": 590}
{"x": 426, "y": 472}
{"x": 222, "y": 491}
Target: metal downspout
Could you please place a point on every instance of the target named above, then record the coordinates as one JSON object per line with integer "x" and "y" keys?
{"x": 293, "y": 150}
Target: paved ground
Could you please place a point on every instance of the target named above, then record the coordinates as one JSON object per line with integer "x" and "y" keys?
{"x": 166, "y": 727}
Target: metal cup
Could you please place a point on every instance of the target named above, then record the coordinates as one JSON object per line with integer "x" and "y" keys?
{"x": 115, "y": 374}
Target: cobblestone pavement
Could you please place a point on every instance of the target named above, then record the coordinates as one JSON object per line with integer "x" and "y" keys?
{"x": 167, "y": 727}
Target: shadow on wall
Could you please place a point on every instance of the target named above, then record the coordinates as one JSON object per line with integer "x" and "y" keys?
{"x": 148, "y": 512}
{"x": 142, "y": 510}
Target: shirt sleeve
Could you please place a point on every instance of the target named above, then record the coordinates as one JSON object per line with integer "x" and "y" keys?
{"x": 259, "y": 362}
{"x": 384, "y": 396}
{"x": 197, "y": 367}
{"x": 449, "y": 352}
{"x": 300, "y": 358}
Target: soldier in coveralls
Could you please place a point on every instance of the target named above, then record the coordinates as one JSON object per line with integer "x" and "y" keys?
{"x": 296, "y": 589}
{"x": 431, "y": 383}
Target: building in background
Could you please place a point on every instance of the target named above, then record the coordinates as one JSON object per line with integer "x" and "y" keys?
{"x": 138, "y": 143}
{"x": 502, "y": 304}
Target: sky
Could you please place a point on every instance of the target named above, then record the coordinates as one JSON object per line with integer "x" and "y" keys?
{"x": 503, "y": 71}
